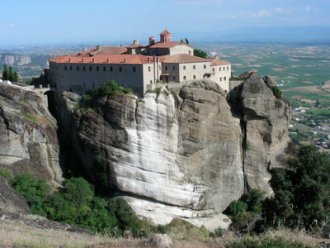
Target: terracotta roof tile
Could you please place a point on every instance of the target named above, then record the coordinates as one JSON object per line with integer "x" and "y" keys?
{"x": 105, "y": 59}
{"x": 216, "y": 62}
{"x": 183, "y": 58}
{"x": 168, "y": 44}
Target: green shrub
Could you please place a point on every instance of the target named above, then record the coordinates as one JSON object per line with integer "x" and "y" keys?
{"x": 100, "y": 172}
{"x": 253, "y": 199}
{"x": 301, "y": 192}
{"x": 110, "y": 88}
{"x": 277, "y": 92}
{"x": 33, "y": 190}
{"x": 236, "y": 207}
{"x": 5, "y": 173}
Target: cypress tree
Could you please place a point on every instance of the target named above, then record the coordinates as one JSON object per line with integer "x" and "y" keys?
{"x": 15, "y": 77}
{"x": 5, "y": 72}
{"x": 10, "y": 73}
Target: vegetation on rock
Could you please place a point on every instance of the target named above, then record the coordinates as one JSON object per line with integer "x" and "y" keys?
{"x": 200, "y": 53}
{"x": 110, "y": 88}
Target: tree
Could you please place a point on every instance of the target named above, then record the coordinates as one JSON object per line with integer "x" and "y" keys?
{"x": 15, "y": 77}
{"x": 33, "y": 190}
{"x": 200, "y": 53}
{"x": 5, "y": 72}
{"x": 10, "y": 73}
{"x": 302, "y": 192}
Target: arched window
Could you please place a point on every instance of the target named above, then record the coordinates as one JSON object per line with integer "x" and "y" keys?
{"x": 184, "y": 77}
{"x": 194, "y": 77}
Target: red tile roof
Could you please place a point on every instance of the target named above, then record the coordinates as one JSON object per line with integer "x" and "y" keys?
{"x": 168, "y": 44}
{"x": 183, "y": 58}
{"x": 105, "y": 59}
{"x": 216, "y": 62}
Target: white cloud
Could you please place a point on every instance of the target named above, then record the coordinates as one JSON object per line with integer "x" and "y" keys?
{"x": 261, "y": 14}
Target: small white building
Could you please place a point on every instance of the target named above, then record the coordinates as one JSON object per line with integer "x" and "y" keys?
{"x": 136, "y": 66}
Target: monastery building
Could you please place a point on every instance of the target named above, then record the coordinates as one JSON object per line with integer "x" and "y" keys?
{"x": 137, "y": 66}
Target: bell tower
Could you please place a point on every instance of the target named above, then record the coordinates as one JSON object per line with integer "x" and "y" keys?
{"x": 165, "y": 36}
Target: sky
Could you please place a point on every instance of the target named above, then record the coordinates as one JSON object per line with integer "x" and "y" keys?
{"x": 82, "y": 21}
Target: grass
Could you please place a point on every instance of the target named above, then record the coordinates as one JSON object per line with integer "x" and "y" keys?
{"x": 30, "y": 117}
{"x": 20, "y": 235}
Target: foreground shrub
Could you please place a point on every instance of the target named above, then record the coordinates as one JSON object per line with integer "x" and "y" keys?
{"x": 302, "y": 192}
{"x": 35, "y": 191}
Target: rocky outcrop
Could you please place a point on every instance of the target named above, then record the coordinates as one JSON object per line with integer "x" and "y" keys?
{"x": 28, "y": 134}
{"x": 265, "y": 120}
{"x": 14, "y": 60}
{"x": 184, "y": 147}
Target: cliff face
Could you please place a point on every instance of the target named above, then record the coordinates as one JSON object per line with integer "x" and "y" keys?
{"x": 184, "y": 152}
{"x": 28, "y": 138}
{"x": 14, "y": 60}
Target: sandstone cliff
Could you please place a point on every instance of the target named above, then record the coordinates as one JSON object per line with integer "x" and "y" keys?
{"x": 14, "y": 60}
{"x": 184, "y": 151}
{"x": 28, "y": 138}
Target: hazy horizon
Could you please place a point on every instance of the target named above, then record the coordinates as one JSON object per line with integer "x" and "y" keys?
{"x": 38, "y": 22}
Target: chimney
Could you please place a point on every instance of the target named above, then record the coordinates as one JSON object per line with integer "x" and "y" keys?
{"x": 151, "y": 40}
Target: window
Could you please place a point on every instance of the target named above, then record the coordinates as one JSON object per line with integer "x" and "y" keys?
{"x": 194, "y": 67}
{"x": 204, "y": 66}
{"x": 213, "y": 69}
{"x": 104, "y": 68}
{"x": 77, "y": 67}
{"x": 134, "y": 69}
{"x": 221, "y": 79}
{"x": 224, "y": 78}
{"x": 90, "y": 68}
{"x": 65, "y": 68}
{"x": 219, "y": 68}
{"x": 194, "y": 77}
{"x": 84, "y": 68}
{"x": 224, "y": 68}
{"x": 120, "y": 69}
{"x": 184, "y": 67}
{"x": 173, "y": 78}
{"x": 165, "y": 67}
{"x": 151, "y": 81}
{"x": 97, "y": 68}
{"x": 173, "y": 67}
{"x": 111, "y": 69}
{"x": 227, "y": 68}
{"x": 184, "y": 77}
{"x": 149, "y": 68}
{"x": 70, "y": 67}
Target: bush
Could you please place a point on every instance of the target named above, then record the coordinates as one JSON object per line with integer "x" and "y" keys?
{"x": 5, "y": 173}
{"x": 110, "y": 88}
{"x": 236, "y": 207}
{"x": 302, "y": 191}
{"x": 277, "y": 92}
{"x": 33, "y": 190}
{"x": 100, "y": 172}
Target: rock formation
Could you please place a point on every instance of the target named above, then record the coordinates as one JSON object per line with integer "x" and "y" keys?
{"x": 28, "y": 134}
{"x": 184, "y": 151}
{"x": 14, "y": 60}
